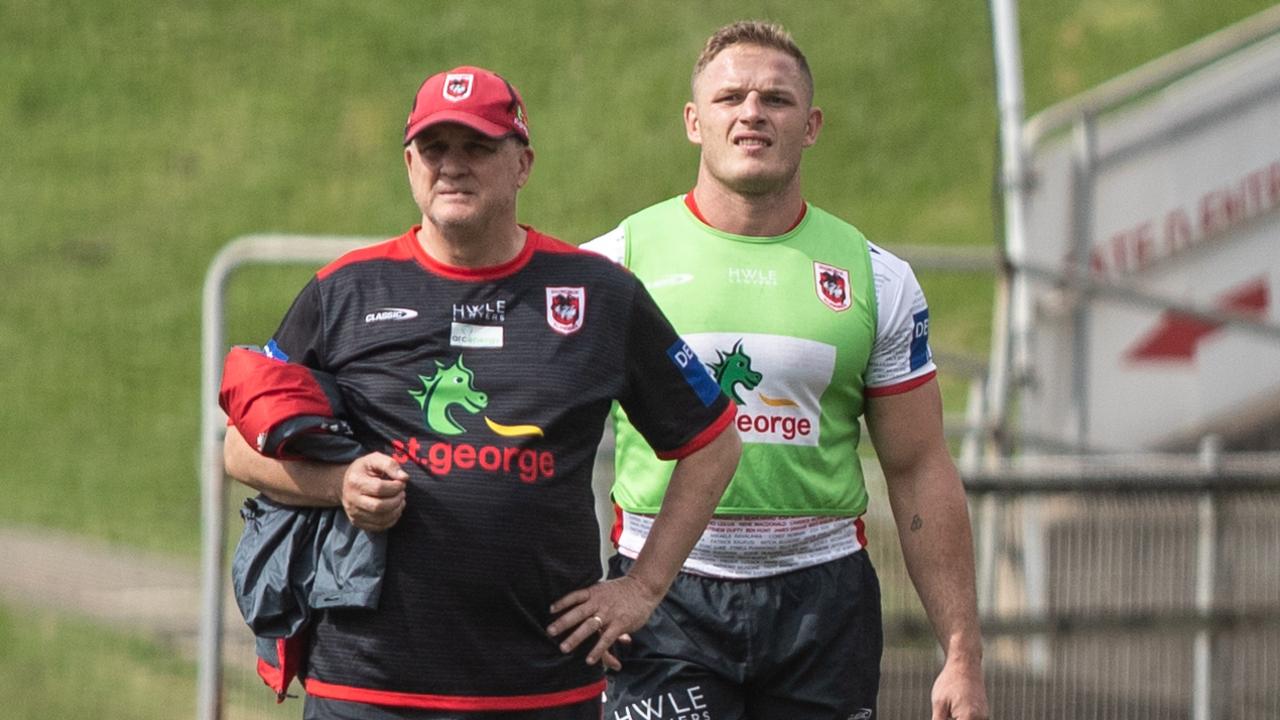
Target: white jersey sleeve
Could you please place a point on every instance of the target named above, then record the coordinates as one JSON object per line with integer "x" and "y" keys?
{"x": 900, "y": 358}
{"x": 612, "y": 245}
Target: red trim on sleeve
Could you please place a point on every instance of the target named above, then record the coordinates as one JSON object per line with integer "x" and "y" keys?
{"x": 703, "y": 438}
{"x": 454, "y": 702}
{"x": 394, "y": 249}
{"x": 692, "y": 204}
{"x": 899, "y": 388}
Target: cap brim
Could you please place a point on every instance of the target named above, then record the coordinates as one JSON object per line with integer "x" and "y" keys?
{"x": 479, "y": 124}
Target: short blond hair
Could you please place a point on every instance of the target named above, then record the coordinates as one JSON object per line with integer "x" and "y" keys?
{"x": 752, "y": 32}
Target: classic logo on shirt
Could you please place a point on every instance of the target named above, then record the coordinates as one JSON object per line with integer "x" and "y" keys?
{"x": 457, "y": 86}
{"x": 566, "y": 307}
{"x": 670, "y": 280}
{"x": 392, "y": 313}
{"x": 451, "y": 388}
{"x": 832, "y": 285}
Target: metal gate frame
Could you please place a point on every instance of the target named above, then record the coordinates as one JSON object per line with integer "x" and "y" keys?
{"x": 260, "y": 249}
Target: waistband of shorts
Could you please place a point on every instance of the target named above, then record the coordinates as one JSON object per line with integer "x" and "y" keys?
{"x": 425, "y": 701}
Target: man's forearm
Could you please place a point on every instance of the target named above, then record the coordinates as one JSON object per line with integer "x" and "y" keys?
{"x": 293, "y": 482}
{"x": 696, "y": 485}
{"x": 933, "y": 525}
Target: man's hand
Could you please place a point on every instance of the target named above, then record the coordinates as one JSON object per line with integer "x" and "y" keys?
{"x": 609, "y": 610}
{"x": 958, "y": 692}
{"x": 373, "y": 491}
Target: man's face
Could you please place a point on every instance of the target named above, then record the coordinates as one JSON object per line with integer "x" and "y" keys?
{"x": 463, "y": 179}
{"x": 751, "y": 114}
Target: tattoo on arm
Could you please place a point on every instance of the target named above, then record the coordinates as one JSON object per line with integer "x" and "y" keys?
{"x": 916, "y": 523}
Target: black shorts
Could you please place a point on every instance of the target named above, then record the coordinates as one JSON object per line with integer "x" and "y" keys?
{"x": 326, "y": 709}
{"x": 803, "y": 645}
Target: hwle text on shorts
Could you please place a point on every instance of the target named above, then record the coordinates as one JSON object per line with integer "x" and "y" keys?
{"x": 686, "y": 704}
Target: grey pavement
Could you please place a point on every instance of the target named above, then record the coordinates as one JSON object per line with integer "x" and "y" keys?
{"x": 155, "y": 594}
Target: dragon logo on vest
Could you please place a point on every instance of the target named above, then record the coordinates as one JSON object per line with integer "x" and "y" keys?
{"x": 733, "y": 369}
{"x": 450, "y": 386}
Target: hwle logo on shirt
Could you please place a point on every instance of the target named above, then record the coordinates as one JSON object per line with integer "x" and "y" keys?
{"x": 478, "y": 325}
{"x": 753, "y": 276}
{"x": 489, "y": 312}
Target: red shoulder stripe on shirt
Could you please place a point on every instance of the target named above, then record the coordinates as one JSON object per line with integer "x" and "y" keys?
{"x": 426, "y": 701}
{"x": 703, "y": 438}
{"x": 901, "y": 387}
{"x": 393, "y": 249}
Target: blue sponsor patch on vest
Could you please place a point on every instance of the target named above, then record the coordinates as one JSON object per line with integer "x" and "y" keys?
{"x": 695, "y": 373}
{"x": 920, "y": 339}
{"x": 274, "y": 351}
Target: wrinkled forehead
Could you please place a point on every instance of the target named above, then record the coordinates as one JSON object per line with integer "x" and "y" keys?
{"x": 753, "y": 67}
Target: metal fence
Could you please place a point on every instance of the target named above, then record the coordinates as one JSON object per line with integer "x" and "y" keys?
{"x": 1093, "y": 606}
{"x": 1116, "y": 588}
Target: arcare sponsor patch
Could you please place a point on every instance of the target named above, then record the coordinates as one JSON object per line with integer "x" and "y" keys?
{"x": 475, "y": 336}
{"x": 695, "y": 373}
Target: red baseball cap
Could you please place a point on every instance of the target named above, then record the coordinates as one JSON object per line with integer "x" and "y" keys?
{"x": 478, "y": 98}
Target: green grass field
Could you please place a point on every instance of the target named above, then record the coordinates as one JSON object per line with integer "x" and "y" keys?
{"x": 136, "y": 138}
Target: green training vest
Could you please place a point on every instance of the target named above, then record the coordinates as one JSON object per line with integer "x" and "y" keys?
{"x": 786, "y": 326}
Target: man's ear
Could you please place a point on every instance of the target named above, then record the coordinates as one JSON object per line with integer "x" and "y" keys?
{"x": 526, "y": 165}
{"x": 692, "y": 128}
{"x": 812, "y": 126}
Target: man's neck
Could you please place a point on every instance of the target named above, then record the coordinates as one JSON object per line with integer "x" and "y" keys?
{"x": 765, "y": 215}
{"x": 465, "y": 248}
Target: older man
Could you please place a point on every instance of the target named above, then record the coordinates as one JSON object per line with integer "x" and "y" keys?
{"x": 481, "y": 357}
